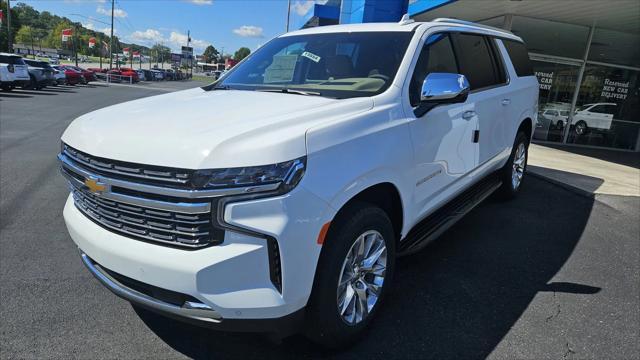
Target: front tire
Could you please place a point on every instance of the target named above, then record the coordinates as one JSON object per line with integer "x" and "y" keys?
{"x": 512, "y": 174}
{"x": 581, "y": 128}
{"x": 353, "y": 275}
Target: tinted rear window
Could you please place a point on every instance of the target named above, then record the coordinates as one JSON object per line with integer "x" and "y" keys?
{"x": 519, "y": 57}
{"x": 475, "y": 60}
{"x": 14, "y": 60}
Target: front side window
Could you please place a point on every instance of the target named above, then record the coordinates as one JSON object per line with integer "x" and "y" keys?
{"x": 337, "y": 65}
{"x": 436, "y": 56}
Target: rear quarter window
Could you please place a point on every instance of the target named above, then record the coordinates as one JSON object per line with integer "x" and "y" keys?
{"x": 476, "y": 60}
{"x": 519, "y": 57}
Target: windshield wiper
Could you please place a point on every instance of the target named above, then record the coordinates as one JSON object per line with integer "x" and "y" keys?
{"x": 291, "y": 91}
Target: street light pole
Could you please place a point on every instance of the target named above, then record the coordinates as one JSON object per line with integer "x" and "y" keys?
{"x": 111, "y": 39}
{"x": 288, "y": 14}
{"x": 9, "y": 44}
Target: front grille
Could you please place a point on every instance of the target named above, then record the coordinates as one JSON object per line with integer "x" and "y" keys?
{"x": 174, "y": 228}
{"x": 156, "y": 175}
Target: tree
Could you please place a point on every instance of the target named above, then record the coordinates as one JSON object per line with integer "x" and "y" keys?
{"x": 160, "y": 53}
{"x": 24, "y": 35}
{"x": 15, "y": 26}
{"x": 241, "y": 53}
{"x": 211, "y": 55}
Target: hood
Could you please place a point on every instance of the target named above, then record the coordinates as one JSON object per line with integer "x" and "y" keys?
{"x": 197, "y": 129}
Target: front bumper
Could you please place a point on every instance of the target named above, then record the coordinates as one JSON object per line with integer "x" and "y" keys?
{"x": 232, "y": 279}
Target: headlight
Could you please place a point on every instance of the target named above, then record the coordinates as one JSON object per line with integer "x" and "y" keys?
{"x": 287, "y": 174}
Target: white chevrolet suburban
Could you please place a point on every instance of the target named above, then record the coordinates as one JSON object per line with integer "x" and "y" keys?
{"x": 279, "y": 197}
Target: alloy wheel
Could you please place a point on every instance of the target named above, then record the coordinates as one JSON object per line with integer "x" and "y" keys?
{"x": 519, "y": 163}
{"x": 361, "y": 278}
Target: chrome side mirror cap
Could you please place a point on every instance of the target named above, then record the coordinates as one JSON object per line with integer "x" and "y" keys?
{"x": 444, "y": 88}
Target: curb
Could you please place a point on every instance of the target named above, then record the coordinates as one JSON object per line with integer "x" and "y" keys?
{"x": 571, "y": 188}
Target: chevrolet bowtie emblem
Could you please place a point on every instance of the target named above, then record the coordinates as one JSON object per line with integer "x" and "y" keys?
{"x": 94, "y": 186}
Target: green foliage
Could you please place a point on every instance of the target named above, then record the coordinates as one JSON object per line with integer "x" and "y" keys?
{"x": 47, "y": 31}
{"x": 160, "y": 53}
{"x": 211, "y": 55}
{"x": 241, "y": 53}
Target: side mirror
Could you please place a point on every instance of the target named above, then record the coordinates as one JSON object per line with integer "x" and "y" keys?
{"x": 444, "y": 88}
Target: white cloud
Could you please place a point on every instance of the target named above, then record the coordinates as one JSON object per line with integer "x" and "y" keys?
{"x": 119, "y": 13}
{"x": 148, "y": 36}
{"x": 201, "y": 2}
{"x": 303, "y": 7}
{"x": 107, "y": 31}
{"x": 175, "y": 40}
{"x": 248, "y": 31}
{"x": 178, "y": 40}
{"x": 89, "y": 26}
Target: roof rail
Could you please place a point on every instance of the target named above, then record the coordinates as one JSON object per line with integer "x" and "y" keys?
{"x": 406, "y": 20}
{"x": 471, "y": 23}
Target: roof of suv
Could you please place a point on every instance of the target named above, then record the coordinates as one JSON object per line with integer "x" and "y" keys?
{"x": 406, "y": 26}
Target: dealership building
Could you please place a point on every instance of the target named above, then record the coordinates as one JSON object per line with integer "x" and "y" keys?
{"x": 586, "y": 55}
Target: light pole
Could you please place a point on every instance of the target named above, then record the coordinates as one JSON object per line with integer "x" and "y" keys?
{"x": 9, "y": 44}
{"x": 111, "y": 39}
{"x": 288, "y": 15}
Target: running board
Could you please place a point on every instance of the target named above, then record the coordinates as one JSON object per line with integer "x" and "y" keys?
{"x": 442, "y": 219}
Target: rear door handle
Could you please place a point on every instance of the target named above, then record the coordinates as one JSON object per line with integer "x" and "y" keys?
{"x": 506, "y": 101}
{"x": 467, "y": 115}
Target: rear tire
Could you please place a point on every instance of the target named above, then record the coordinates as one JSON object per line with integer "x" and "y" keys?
{"x": 350, "y": 286}
{"x": 512, "y": 174}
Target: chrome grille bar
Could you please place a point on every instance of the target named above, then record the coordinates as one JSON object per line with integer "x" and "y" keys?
{"x": 178, "y": 176}
{"x": 73, "y": 166}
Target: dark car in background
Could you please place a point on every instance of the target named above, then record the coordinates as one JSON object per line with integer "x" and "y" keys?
{"x": 40, "y": 75}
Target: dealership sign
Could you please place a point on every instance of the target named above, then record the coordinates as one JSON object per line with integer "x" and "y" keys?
{"x": 187, "y": 52}
{"x": 66, "y": 34}
{"x": 92, "y": 43}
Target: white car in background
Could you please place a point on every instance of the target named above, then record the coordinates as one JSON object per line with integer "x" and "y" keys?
{"x": 555, "y": 117}
{"x": 596, "y": 116}
{"x": 13, "y": 71}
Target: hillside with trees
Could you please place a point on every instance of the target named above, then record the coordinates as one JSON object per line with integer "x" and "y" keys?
{"x": 43, "y": 29}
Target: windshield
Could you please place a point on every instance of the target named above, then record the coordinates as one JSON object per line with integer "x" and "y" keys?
{"x": 338, "y": 65}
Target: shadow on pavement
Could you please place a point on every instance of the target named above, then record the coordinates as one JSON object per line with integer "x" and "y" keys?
{"x": 619, "y": 157}
{"x": 587, "y": 183}
{"x": 456, "y": 299}
{"x": 34, "y": 92}
{"x": 13, "y": 95}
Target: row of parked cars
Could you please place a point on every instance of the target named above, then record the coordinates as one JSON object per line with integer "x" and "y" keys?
{"x": 134, "y": 75}
{"x": 16, "y": 71}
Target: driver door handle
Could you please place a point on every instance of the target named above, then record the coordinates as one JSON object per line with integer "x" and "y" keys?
{"x": 468, "y": 115}
{"x": 506, "y": 101}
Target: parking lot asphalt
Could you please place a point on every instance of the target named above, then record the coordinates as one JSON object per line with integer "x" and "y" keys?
{"x": 551, "y": 274}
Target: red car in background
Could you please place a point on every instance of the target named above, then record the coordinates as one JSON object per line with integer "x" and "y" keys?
{"x": 129, "y": 72}
{"x": 72, "y": 76}
{"x": 87, "y": 74}
{"x": 98, "y": 70}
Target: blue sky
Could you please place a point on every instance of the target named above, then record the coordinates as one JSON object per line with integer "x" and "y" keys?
{"x": 226, "y": 24}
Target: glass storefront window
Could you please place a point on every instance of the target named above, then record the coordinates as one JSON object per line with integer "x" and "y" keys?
{"x": 557, "y": 85}
{"x": 551, "y": 38}
{"x": 615, "y": 47}
{"x": 607, "y": 111}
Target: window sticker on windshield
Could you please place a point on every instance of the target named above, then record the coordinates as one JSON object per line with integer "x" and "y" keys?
{"x": 310, "y": 56}
{"x": 281, "y": 69}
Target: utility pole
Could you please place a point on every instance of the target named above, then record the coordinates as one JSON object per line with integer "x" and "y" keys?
{"x": 111, "y": 40}
{"x": 288, "y": 15}
{"x": 10, "y": 45}
{"x": 75, "y": 43}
